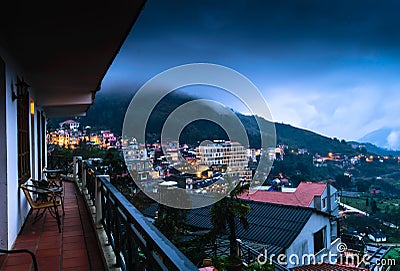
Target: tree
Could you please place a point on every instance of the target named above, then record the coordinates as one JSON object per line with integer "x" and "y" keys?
{"x": 115, "y": 162}
{"x": 342, "y": 181}
{"x": 362, "y": 186}
{"x": 223, "y": 214}
{"x": 170, "y": 221}
{"x": 374, "y": 207}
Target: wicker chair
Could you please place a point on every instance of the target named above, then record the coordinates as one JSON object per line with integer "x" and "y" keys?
{"x": 47, "y": 201}
{"x": 58, "y": 191}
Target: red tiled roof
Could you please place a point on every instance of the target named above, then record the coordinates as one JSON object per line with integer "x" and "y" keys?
{"x": 327, "y": 267}
{"x": 272, "y": 197}
{"x": 306, "y": 191}
{"x": 303, "y": 196}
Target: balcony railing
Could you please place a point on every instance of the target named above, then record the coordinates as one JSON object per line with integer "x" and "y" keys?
{"x": 136, "y": 242}
{"x": 250, "y": 255}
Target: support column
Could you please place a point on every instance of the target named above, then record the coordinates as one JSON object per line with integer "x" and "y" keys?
{"x": 3, "y": 160}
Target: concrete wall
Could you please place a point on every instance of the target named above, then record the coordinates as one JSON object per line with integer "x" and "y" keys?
{"x": 304, "y": 243}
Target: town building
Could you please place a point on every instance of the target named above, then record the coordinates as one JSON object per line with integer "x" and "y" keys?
{"x": 320, "y": 196}
{"x": 137, "y": 161}
{"x": 108, "y": 139}
{"x": 69, "y": 125}
{"x": 307, "y": 194}
{"x": 280, "y": 231}
{"x": 231, "y": 154}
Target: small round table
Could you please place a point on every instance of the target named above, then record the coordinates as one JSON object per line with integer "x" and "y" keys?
{"x": 53, "y": 176}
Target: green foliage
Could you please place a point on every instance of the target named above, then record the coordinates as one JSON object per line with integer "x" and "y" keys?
{"x": 374, "y": 207}
{"x": 226, "y": 262}
{"x": 394, "y": 253}
{"x": 259, "y": 267}
{"x": 113, "y": 159}
{"x": 315, "y": 143}
{"x": 342, "y": 181}
{"x": 299, "y": 168}
{"x": 363, "y": 185}
{"x": 171, "y": 222}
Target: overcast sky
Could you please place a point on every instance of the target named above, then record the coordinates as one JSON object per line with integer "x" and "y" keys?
{"x": 332, "y": 67}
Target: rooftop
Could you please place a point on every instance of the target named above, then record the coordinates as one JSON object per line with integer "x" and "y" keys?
{"x": 303, "y": 195}
{"x": 75, "y": 248}
{"x": 275, "y": 226}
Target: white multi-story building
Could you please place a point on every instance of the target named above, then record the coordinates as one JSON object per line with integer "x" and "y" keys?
{"x": 69, "y": 124}
{"x": 137, "y": 161}
{"x": 231, "y": 154}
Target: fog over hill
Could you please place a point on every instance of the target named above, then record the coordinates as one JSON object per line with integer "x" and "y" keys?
{"x": 108, "y": 112}
{"x": 387, "y": 138}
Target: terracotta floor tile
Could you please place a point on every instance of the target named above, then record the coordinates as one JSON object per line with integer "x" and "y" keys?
{"x": 48, "y": 252}
{"x": 74, "y": 239}
{"x": 74, "y": 253}
{"x": 22, "y": 267}
{"x": 50, "y": 233}
{"x": 73, "y": 246}
{"x": 24, "y": 244}
{"x": 77, "y": 268}
{"x": 75, "y": 262}
{"x": 19, "y": 259}
{"x": 67, "y": 250}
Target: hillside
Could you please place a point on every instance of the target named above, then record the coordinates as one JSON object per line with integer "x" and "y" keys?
{"x": 371, "y": 148}
{"x": 108, "y": 112}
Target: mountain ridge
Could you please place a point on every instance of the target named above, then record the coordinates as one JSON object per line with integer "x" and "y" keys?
{"x": 108, "y": 112}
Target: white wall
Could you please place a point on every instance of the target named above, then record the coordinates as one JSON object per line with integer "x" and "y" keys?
{"x": 304, "y": 243}
{"x": 3, "y": 160}
{"x": 334, "y": 204}
{"x": 17, "y": 207}
{"x": 14, "y": 202}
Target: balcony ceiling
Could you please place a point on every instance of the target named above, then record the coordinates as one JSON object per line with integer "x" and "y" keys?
{"x": 64, "y": 49}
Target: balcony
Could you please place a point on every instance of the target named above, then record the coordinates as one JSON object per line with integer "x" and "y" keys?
{"x": 75, "y": 248}
{"x": 125, "y": 240}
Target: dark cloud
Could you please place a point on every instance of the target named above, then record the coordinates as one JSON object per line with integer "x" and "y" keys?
{"x": 302, "y": 54}
{"x": 272, "y": 23}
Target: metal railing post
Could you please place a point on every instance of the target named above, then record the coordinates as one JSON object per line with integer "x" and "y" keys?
{"x": 75, "y": 167}
{"x": 97, "y": 192}
{"x": 83, "y": 175}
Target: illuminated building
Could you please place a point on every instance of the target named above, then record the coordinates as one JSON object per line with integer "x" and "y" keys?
{"x": 231, "y": 154}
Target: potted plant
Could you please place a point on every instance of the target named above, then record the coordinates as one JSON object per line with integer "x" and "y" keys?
{"x": 234, "y": 263}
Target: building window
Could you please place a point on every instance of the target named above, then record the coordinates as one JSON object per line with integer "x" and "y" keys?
{"x": 323, "y": 203}
{"x": 24, "y": 164}
{"x": 319, "y": 240}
